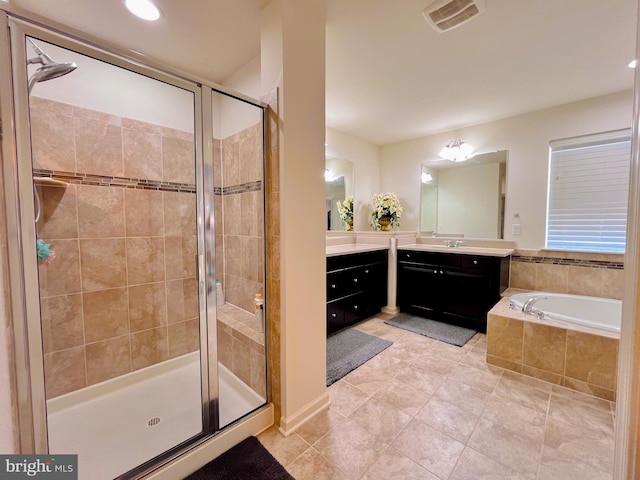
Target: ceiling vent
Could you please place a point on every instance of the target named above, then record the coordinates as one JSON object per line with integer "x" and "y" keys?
{"x": 444, "y": 15}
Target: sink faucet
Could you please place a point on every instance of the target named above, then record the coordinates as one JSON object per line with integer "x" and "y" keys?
{"x": 527, "y": 307}
{"x": 453, "y": 243}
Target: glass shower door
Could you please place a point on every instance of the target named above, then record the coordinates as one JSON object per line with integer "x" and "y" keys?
{"x": 238, "y": 193}
{"x": 115, "y": 176}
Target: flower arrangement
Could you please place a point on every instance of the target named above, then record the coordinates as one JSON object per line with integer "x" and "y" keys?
{"x": 386, "y": 211}
{"x": 345, "y": 209}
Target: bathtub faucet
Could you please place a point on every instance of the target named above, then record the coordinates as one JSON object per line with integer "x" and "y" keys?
{"x": 527, "y": 307}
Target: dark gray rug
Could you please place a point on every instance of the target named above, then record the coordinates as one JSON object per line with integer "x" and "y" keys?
{"x": 348, "y": 349}
{"x": 430, "y": 328}
{"x": 248, "y": 460}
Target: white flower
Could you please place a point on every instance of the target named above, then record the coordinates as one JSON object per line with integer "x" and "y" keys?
{"x": 386, "y": 205}
{"x": 345, "y": 209}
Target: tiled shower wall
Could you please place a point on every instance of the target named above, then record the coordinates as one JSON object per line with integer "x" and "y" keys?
{"x": 239, "y": 224}
{"x": 121, "y": 294}
{"x": 274, "y": 244}
{"x": 238, "y": 175}
{"x": 591, "y": 274}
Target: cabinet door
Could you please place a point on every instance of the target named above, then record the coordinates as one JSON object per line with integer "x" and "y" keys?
{"x": 417, "y": 288}
{"x": 465, "y": 294}
{"x": 335, "y": 316}
{"x": 375, "y": 285}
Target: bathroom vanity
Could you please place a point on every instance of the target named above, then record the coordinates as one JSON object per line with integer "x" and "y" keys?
{"x": 356, "y": 284}
{"x": 453, "y": 285}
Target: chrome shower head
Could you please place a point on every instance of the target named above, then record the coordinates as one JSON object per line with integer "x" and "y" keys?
{"x": 50, "y": 69}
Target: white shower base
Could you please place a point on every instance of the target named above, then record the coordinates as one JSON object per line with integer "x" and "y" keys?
{"x": 113, "y": 426}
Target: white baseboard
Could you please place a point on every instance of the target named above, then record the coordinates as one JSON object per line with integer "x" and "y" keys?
{"x": 289, "y": 424}
{"x": 390, "y": 310}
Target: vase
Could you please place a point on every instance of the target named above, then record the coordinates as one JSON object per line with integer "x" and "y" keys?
{"x": 384, "y": 223}
{"x": 350, "y": 226}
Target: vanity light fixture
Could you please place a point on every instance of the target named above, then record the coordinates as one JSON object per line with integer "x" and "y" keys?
{"x": 144, "y": 9}
{"x": 328, "y": 175}
{"x": 633, "y": 63}
{"x": 457, "y": 151}
{"x": 425, "y": 177}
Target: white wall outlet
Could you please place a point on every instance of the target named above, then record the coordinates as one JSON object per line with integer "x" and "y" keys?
{"x": 515, "y": 229}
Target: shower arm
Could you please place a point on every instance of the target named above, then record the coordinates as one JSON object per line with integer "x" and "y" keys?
{"x": 42, "y": 57}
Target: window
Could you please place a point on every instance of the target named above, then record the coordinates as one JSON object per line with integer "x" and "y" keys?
{"x": 588, "y": 187}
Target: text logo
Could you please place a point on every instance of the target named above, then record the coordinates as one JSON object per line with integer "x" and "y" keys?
{"x": 49, "y": 467}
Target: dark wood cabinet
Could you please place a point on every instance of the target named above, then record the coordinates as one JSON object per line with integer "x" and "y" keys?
{"x": 356, "y": 287}
{"x": 455, "y": 288}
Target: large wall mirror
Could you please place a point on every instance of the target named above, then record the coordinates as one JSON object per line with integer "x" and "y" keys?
{"x": 338, "y": 176}
{"x": 464, "y": 198}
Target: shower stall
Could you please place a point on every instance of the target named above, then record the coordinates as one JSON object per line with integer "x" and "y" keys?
{"x": 139, "y": 200}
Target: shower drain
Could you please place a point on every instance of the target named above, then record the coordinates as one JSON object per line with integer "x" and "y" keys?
{"x": 153, "y": 421}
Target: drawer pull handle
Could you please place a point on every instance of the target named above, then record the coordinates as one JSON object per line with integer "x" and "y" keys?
{"x": 355, "y": 280}
{"x": 441, "y": 272}
{"x": 355, "y": 307}
{"x": 435, "y": 271}
{"x": 475, "y": 262}
{"x": 334, "y": 315}
{"x": 408, "y": 255}
{"x": 366, "y": 271}
{"x": 333, "y": 285}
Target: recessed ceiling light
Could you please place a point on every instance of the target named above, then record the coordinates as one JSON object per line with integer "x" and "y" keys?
{"x": 144, "y": 9}
{"x": 633, "y": 63}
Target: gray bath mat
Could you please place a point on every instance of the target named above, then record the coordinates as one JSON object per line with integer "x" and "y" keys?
{"x": 430, "y": 328}
{"x": 348, "y": 349}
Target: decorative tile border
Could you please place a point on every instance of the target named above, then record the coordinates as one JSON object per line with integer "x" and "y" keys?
{"x": 241, "y": 188}
{"x": 569, "y": 261}
{"x": 110, "y": 181}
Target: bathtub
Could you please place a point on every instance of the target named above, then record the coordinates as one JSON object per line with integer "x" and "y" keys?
{"x": 572, "y": 343}
{"x": 574, "y": 311}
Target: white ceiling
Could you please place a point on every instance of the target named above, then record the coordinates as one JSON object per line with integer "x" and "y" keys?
{"x": 391, "y": 77}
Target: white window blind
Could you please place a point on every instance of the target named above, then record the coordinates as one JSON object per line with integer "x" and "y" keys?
{"x": 588, "y": 187}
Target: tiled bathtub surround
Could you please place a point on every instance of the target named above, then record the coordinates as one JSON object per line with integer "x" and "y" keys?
{"x": 578, "y": 360}
{"x": 591, "y": 274}
{"x": 121, "y": 294}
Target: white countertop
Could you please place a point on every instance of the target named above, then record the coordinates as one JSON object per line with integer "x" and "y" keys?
{"x": 464, "y": 250}
{"x": 334, "y": 250}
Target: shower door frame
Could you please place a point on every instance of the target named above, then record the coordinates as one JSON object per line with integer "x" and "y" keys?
{"x": 25, "y": 306}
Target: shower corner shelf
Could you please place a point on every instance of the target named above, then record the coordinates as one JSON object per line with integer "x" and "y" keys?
{"x": 49, "y": 182}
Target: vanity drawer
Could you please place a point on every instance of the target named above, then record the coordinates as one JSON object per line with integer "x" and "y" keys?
{"x": 476, "y": 261}
{"x": 429, "y": 258}
{"x": 337, "y": 285}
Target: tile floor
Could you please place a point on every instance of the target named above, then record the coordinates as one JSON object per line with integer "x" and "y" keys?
{"x": 423, "y": 409}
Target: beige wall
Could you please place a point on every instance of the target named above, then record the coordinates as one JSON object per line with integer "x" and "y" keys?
{"x": 293, "y": 38}
{"x": 526, "y": 137}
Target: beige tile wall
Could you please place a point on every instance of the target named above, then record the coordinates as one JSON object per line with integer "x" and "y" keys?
{"x": 577, "y": 360}
{"x": 239, "y": 224}
{"x": 272, "y": 185}
{"x": 241, "y": 216}
{"x": 588, "y": 274}
{"x": 241, "y": 346}
{"x": 121, "y": 294}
